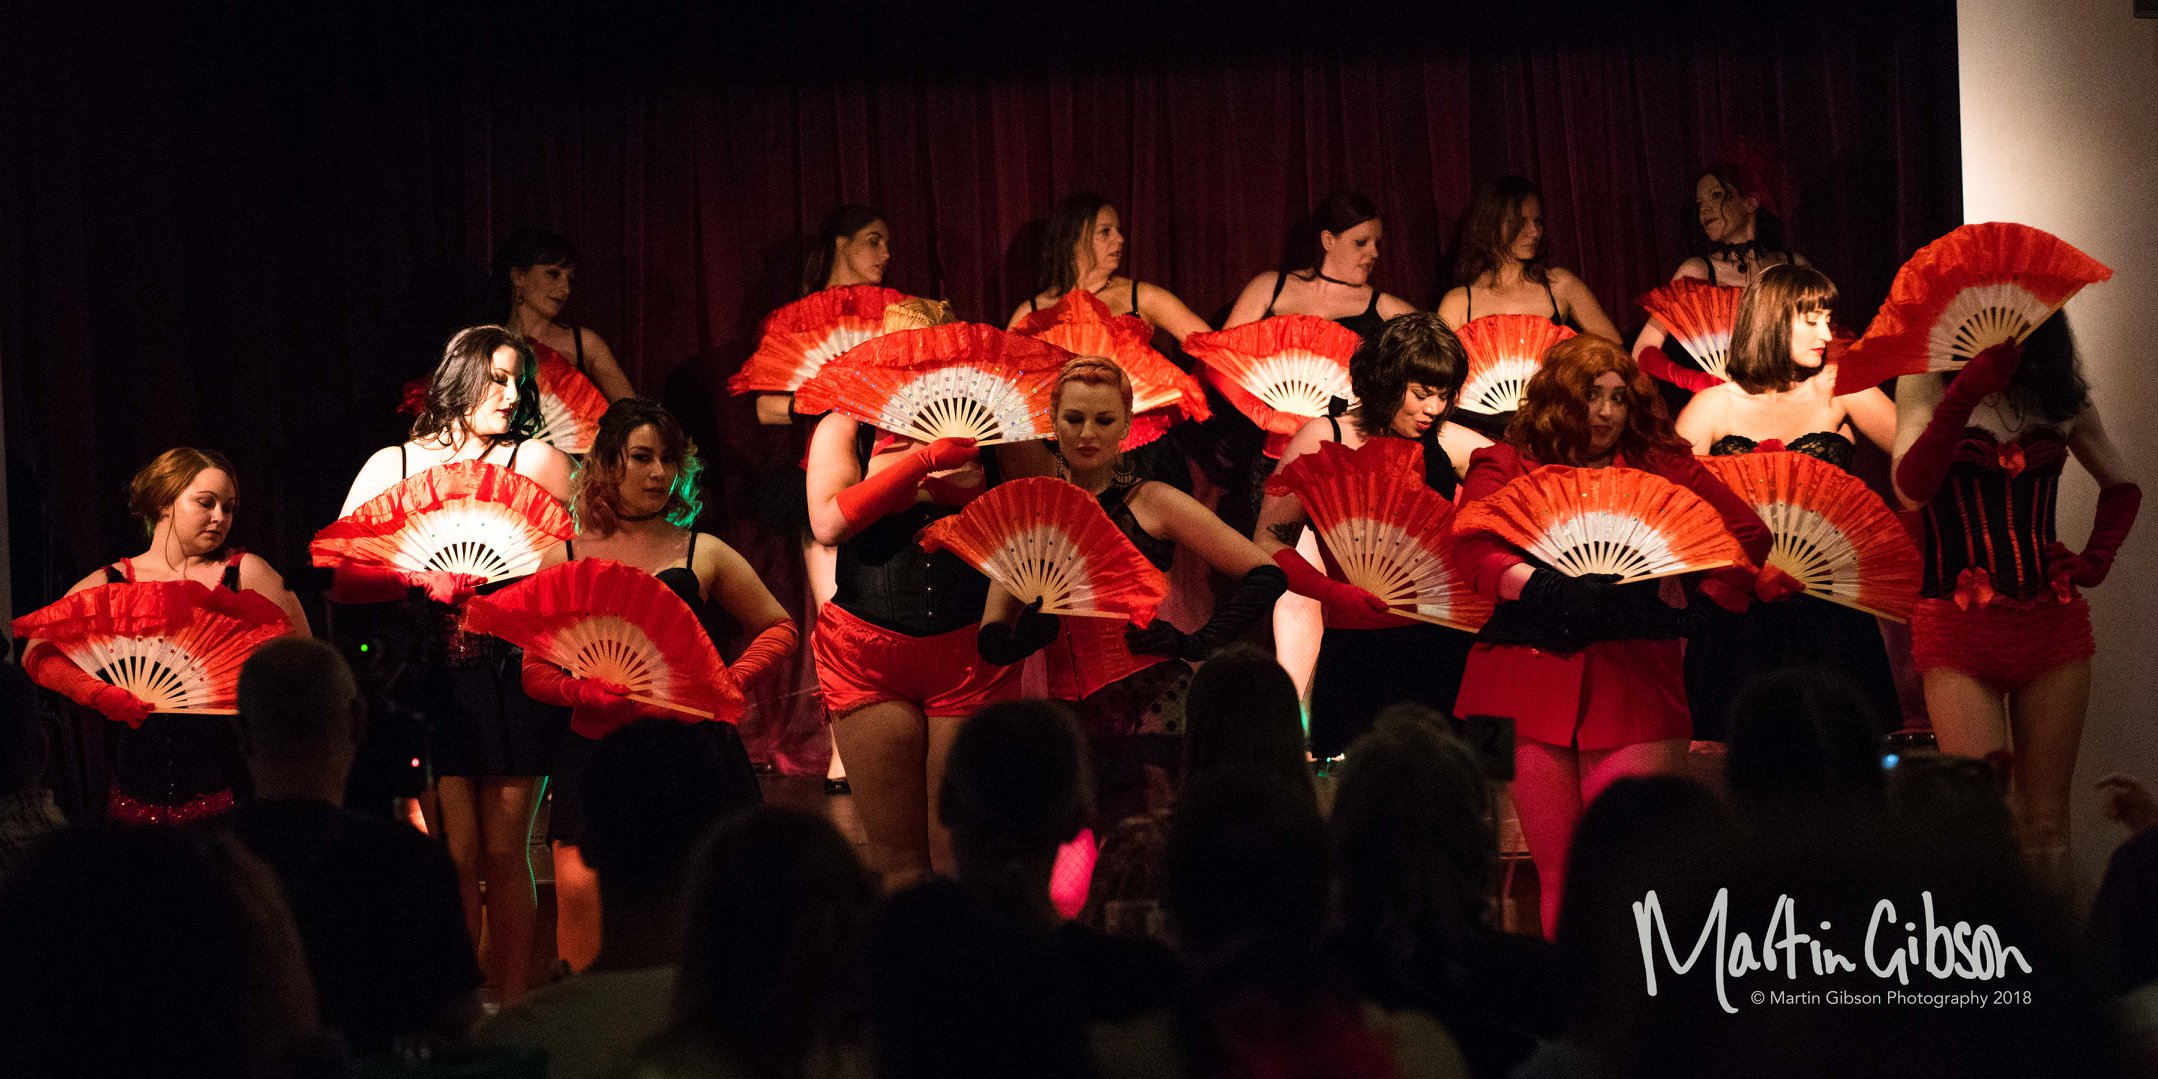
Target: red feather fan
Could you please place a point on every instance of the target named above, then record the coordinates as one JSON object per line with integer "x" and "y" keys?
{"x": 1504, "y": 350}
{"x": 177, "y": 645}
{"x": 464, "y": 517}
{"x": 1281, "y": 371}
{"x": 601, "y": 619}
{"x": 570, "y": 406}
{"x": 1162, "y": 394}
{"x": 798, "y": 339}
{"x": 1390, "y": 534}
{"x": 1700, "y": 317}
{"x": 1974, "y": 288}
{"x": 1046, "y": 539}
{"x": 959, "y": 380}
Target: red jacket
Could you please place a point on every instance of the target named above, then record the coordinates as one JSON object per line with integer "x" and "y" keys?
{"x": 1612, "y": 693}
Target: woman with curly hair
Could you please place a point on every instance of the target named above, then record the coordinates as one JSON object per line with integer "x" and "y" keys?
{"x": 1589, "y": 672}
{"x": 636, "y": 503}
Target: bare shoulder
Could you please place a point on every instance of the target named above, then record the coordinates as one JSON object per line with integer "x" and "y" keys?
{"x": 256, "y": 573}
{"x": 1696, "y": 268}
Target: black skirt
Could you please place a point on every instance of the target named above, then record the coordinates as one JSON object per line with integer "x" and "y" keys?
{"x": 1799, "y": 632}
{"x": 565, "y": 814}
{"x": 1362, "y": 671}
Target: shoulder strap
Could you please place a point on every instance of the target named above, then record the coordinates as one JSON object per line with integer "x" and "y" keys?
{"x": 1335, "y": 421}
{"x": 691, "y": 557}
{"x": 1468, "y": 301}
{"x": 121, "y": 572}
{"x": 1374, "y": 308}
{"x": 1280, "y": 279}
{"x": 1554, "y": 297}
{"x": 1439, "y": 472}
{"x": 865, "y": 445}
{"x": 514, "y": 447}
{"x": 1034, "y": 303}
{"x": 231, "y": 580}
{"x": 404, "y": 468}
{"x": 576, "y": 336}
{"x": 1135, "y": 297}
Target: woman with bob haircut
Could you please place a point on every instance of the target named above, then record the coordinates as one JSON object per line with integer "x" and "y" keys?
{"x": 1337, "y": 248}
{"x": 636, "y": 502}
{"x": 1783, "y": 397}
{"x": 1590, "y": 673}
{"x": 170, "y": 769}
{"x": 491, "y": 744}
{"x": 1405, "y": 385}
{"x": 1082, "y": 248}
{"x": 1500, "y": 251}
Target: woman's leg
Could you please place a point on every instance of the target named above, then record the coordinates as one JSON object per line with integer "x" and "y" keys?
{"x": 506, "y": 804}
{"x": 1599, "y": 768}
{"x": 886, "y": 745}
{"x": 454, "y": 815}
{"x": 1547, "y": 794}
{"x": 2047, "y": 727}
{"x": 576, "y": 906}
{"x": 1969, "y": 719}
{"x": 943, "y": 730}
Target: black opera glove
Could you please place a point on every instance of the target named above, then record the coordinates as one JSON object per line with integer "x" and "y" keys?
{"x": 1555, "y": 612}
{"x": 1007, "y": 643}
{"x": 1254, "y": 597}
{"x": 1637, "y": 612}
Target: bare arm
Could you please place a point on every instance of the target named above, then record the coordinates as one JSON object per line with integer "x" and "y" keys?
{"x": 379, "y": 474}
{"x": 2088, "y": 442}
{"x": 599, "y": 363}
{"x": 1019, "y": 315}
{"x": 1871, "y": 414}
{"x": 1000, "y": 607}
{"x": 1180, "y": 518}
{"x": 1916, "y": 396}
{"x": 546, "y": 466}
{"x": 1282, "y": 517}
{"x": 832, "y": 469}
{"x": 1460, "y": 444}
{"x": 1162, "y": 308}
{"x": 1581, "y": 305}
{"x": 1454, "y": 307}
{"x": 1392, "y": 306}
{"x": 256, "y": 575}
{"x": 775, "y": 409}
{"x": 1251, "y": 303}
{"x": 1701, "y": 422}
{"x": 1696, "y": 268}
{"x": 736, "y": 586}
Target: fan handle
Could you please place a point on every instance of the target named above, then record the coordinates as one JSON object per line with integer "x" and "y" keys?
{"x": 1675, "y": 572}
{"x": 1411, "y": 613}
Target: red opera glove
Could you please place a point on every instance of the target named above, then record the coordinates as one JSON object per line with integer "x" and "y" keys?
{"x": 1731, "y": 587}
{"x": 1659, "y": 365}
{"x": 49, "y": 667}
{"x": 2115, "y": 517}
{"x": 774, "y": 643}
{"x": 1347, "y": 606}
{"x": 892, "y": 489}
{"x": 1773, "y": 584}
{"x": 1926, "y": 463}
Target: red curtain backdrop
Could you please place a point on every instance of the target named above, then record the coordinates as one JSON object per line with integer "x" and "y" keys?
{"x": 246, "y": 231}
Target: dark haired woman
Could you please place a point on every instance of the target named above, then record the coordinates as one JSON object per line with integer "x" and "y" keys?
{"x": 1736, "y": 233}
{"x": 1125, "y": 682}
{"x": 1501, "y": 270}
{"x": 534, "y": 267}
{"x": 2002, "y": 636}
{"x": 169, "y": 769}
{"x": 1405, "y": 385}
{"x": 491, "y": 743}
{"x": 1338, "y": 246}
{"x": 636, "y": 503}
{"x": 851, "y": 247}
{"x": 1589, "y": 673}
{"x": 1782, "y": 396}
{"x": 1081, "y": 249}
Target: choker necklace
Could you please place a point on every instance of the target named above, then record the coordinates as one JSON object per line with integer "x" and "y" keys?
{"x": 1321, "y": 275}
{"x": 642, "y": 517}
{"x": 1738, "y": 254}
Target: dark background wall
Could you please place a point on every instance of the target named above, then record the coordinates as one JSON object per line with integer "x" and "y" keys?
{"x": 245, "y": 228}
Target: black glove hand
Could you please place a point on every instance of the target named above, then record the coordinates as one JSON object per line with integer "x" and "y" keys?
{"x": 1637, "y": 612}
{"x": 1579, "y": 601}
{"x": 1005, "y": 644}
{"x": 1555, "y": 612}
{"x": 1158, "y": 638}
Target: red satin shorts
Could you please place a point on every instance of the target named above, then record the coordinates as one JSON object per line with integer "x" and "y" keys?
{"x": 859, "y": 664}
{"x": 2003, "y": 644}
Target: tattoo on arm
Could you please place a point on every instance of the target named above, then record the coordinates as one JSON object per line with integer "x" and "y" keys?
{"x": 1288, "y": 532}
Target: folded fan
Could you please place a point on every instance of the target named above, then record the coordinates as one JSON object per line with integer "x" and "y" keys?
{"x": 605, "y": 620}
{"x": 1700, "y": 317}
{"x": 463, "y": 517}
{"x": 1162, "y": 394}
{"x": 1390, "y": 533}
{"x": 1504, "y": 350}
{"x": 570, "y": 406}
{"x": 1046, "y": 539}
{"x": 1280, "y": 372}
{"x": 798, "y": 339}
{"x": 1979, "y": 286}
{"x": 1831, "y": 531}
{"x": 1623, "y": 521}
{"x": 177, "y": 645}
{"x": 960, "y": 380}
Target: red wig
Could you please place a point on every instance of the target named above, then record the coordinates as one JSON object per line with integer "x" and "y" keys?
{"x": 1552, "y": 425}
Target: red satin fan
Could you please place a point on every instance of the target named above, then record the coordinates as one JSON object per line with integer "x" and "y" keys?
{"x": 1046, "y": 539}
{"x": 1504, "y": 350}
{"x": 800, "y": 338}
{"x": 601, "y": 619}
{"x": 1699, "y": 316}
{"x": 465, "y": 517}
{"x": 1162, "y": 394}
{"x": 1831, "y": 531}
{"x": 1974, "y": 288}
{"x": 570, "y": 406}
{"x": 1578, "y": 521}
{"x": 1389, "y": 532}
{"x": 1281, "y": 371}
{"x": 960, "y": 380}
{"x": 177, "y": 645}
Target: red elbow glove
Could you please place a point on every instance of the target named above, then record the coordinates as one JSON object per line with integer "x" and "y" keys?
{"x": 892, "y": 489}
{"x": 2117, "y": 506}
{"x": 1659, "y": 365}
{"x": 1347, "y": 606}
{"x": 49, "y": 667}
{"x": 776, "y": 642}
{"x": 1926, "y": 463}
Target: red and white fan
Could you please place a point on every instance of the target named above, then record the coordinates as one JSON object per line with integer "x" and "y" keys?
{"x": 1979, "y": 286}
{"x": 1162, "y": 394}
{"x": 1831, "y": 531}
{"x": 570, "y": 406}
{"x": 1700, "y": 317}
{"x": 600, "y": 619}
{"x": 177, "y": 645}
{"x": 960, "y": 380}
{"x": 464, "y": 517}
{"x": 1043, "y": 538}
{"x": 1391, "y": 534}
{"x": 1281, "y": 371}
{"x": 798, "y": 339}
{"x": 1624, "y": 521}
{"x": 1504, "y": 350}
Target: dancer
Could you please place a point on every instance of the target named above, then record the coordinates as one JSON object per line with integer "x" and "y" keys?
{"x": 1368, "y": 659}
{"x": 1127, "y": 683}
{"x": 534, "y": 268}
{"x": 1332, "y": 279}
{"x": 851, "y": 247}
{"x": 1501, "y": 256}
{"x": 1783, "y": 395}
{"x": 636, "y": 503}
{"x": 491, "y": 744}
{"x": 1082, "y": 248}
{"x": 1590, "y": 674}
{"x": 170, "y": 769}
{"x": 2002, "y": 636}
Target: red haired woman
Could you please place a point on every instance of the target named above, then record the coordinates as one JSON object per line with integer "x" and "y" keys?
{"x": 1589, "y": 673}
{"x": 168, "y": 769}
